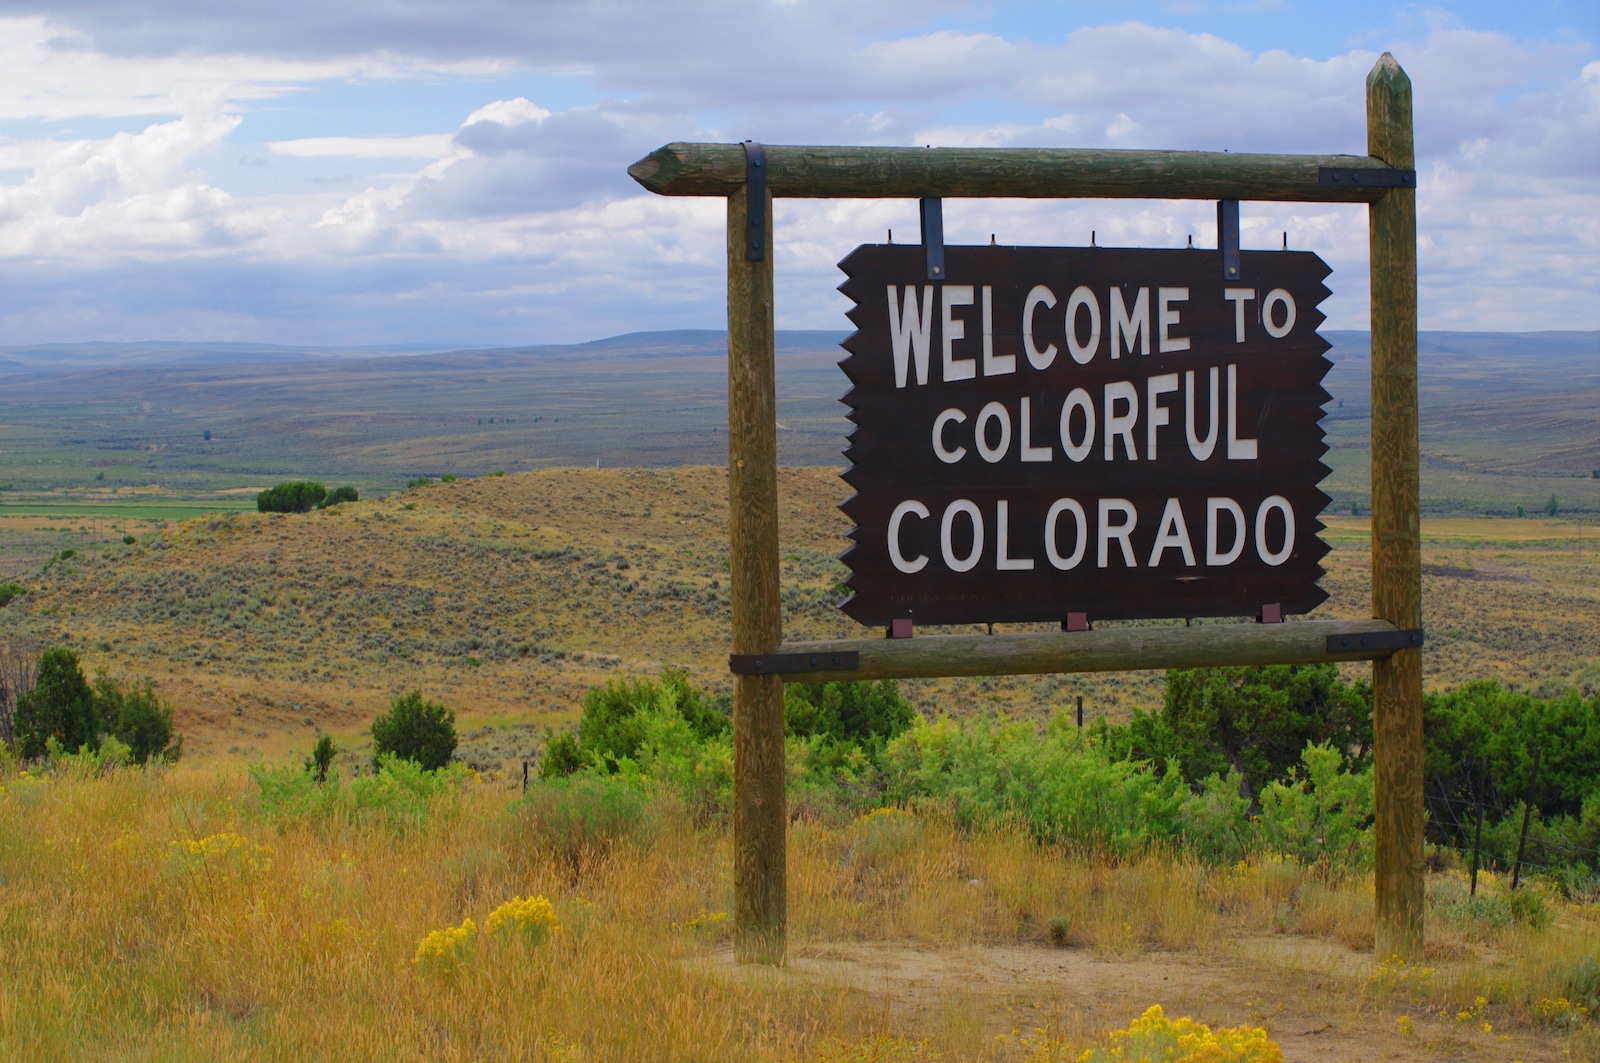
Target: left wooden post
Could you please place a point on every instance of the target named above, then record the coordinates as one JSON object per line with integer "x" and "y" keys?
{"x": 759, "y": 816}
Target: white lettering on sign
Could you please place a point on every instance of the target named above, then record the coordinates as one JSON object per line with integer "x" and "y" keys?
{"x": 1157, "y": 386}
{"x": 955, "y": 368}
{"x": 1082, "y": 299}
{"x": 1116, "y": 521}
{"x": 1002, "y": 538}
{"x": 993, "y": 411}
{"x": 954, "y": 509}
{"x": 1173, "y": 535}
{"x": 1029, "y": 451}
{"x": 910, "y": 332}
{"x": 913, "y": 508}
{"x": 1238, "y": 449}
{"x": 1126, "y": 327}
{"x": 993, "y": 364}
{"x": 1122, "y": 532}
{"x": 1275, "y": 298}
{"x": 1122, "y": 424}
{"x": 1077, "y": 450}
{"x": 1238, "y": 297}
{"x": 949, "y": 457}
{"x": 1200, "y": 448}
{"x": 1120, "y": 433}
{"x": 1279, "y": 556}
{"x": 1039, "y": 296}
{"x": 1214, "y": 508}
{"x": 1060, "y": 506}
{"x": 1168, "y": 317}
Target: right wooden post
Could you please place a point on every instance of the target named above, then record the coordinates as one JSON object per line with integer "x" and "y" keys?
{"x": 1396, "y": 523}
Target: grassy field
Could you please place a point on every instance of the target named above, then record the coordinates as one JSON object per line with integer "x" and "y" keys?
{"x": 178, "y": 915}
{"x": 507, "y": 597}
{"x": 181, "y": 914}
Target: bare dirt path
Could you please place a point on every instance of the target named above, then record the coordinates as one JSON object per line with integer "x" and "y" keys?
{"x": 1307, "y": 994}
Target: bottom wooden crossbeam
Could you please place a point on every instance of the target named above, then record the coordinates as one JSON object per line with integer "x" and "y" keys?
{"x": 1109, "y": 650}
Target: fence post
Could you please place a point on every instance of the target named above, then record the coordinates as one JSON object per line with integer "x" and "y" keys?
{"x": 1527, "y": 807}
{"x": 1396, "y": 528}
{"x": 759, "y": 816}
{"x": 1477, "y": 837}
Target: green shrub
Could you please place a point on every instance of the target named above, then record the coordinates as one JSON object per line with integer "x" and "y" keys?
{"x": 138, "y": 719}
{"x": 420, "y": 481}
{"x": 561, "y": 756}
{"x": 398, "y": 793}
{"x": 576, "y": 818}
{"x": 9, "y": 590}
{"x": 1483, "y": 723}
{"x": 321, "y": 758}
{"x": 1061, "y": 786}
{"x": 612, "y": 726}
{"x": 1552, "y": 506}
{"x": 862, "y": 713}
{"x": 299, "y": 496}
{"x": 128, "y": 540}
{"x": 340, "y": 494}
{"x": 423, "y": 732}
{"x": 1323, "y": 814}
{"x": 61, "y": 706}
{"x": 1255, "y": 721}
{"x": 448, "y": 478}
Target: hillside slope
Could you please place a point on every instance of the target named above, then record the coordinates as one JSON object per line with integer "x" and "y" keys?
{"x": 507, "y": 597}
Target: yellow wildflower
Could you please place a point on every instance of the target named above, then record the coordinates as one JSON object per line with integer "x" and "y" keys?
{"x": 1154, "y": 1036}
{"x": 532, "y": 915}
{"x": 440, "y": 946}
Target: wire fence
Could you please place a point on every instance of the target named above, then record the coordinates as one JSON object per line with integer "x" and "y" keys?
{"x": 1468, "y": 814}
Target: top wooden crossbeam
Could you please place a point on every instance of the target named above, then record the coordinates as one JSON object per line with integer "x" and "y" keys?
{"x": 1025, "y": 173}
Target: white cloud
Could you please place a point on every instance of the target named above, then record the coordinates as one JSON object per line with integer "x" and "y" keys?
{"x": 508, "y": 113}
{"x": 129, "y": 193}
{"x": 427, "y": 146}
{"x": 535, "y": 195}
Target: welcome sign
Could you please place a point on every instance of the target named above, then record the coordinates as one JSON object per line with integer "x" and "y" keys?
{"x": 1121, "y": 433}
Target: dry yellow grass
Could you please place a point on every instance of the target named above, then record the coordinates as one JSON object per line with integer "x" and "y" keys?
{"x": 263, "y": 629}
{"x": 160, "y": 915}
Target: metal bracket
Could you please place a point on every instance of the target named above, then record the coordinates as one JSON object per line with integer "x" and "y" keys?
{"x": 1228, "y": 237}
{"x": 932, "y": 212}
{"x": 1334, "y": 175}
{"x": 755, "y": 200}
{"x": 1376, "y": 640}
{"x": 792, "y": 663}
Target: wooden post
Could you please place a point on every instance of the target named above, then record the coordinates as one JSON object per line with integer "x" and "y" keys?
{"x": 1396, "y": 527}
{"x": 759, "y": 817}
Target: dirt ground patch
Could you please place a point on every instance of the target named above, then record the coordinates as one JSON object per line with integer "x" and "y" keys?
{"x": 1309, "y": 995}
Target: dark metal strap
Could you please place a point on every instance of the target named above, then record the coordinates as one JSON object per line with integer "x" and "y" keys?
{"x": 932, "y": 213}
{"x": 755, "y": 201}
{"x": 1328, "y": 176}
{"x": 1375, "y": 640}
{"x": 790, "y": 663}
{"x": 1228, "y": 237}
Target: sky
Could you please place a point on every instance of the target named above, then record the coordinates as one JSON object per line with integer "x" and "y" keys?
{"x": 369, "y": 172}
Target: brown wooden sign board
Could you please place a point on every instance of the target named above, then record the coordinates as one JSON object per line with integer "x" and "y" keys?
{"x": 1116, "y": 432}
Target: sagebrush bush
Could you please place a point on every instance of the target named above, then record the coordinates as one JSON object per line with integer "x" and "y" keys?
{"x": 577, "y": 818}
{"x": 416, "y": 730}
{"x": 340, "y": 494}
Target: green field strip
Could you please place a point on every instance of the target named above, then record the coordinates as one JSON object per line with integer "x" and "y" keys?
{"x": 132, "y": 510}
